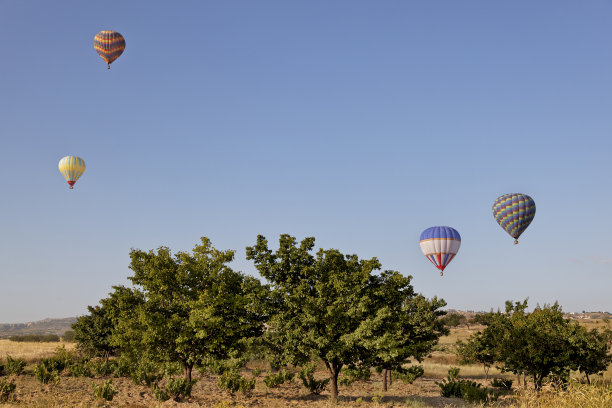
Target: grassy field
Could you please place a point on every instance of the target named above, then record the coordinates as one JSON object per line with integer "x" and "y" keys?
{"x": 423, "y": 393}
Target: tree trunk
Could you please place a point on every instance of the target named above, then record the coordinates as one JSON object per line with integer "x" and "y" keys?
{"x": 390, "y": 378}
{"x": 385, "y": 380}
{"x": 334, "y": 371}
{"x": 486, "y": 370}
{"x": 187, "y": 371}
{"x": 587, "y": 378}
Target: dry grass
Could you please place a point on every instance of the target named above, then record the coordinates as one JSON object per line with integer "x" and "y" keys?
{"x": 576, "y": 395}
{"x": 30, "y": 351}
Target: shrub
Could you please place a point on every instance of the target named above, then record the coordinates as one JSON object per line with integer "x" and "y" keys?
{"x": 160, "y": 393}
{"x": 274, "y": 380}
{"x": 307, "y": 377}
{"x": 502, "y": 383}
{"x": 105, "y": 391}
{"x": 145, "y": 372}
{"x": 233, "y": 381}
{"x": 102, "y": 367}
{"x": 38, "y": 338}
{"x": 14, "y": 365}
{"x": 68, "y": 336}
{"x": 53, "y": 364}
{"x": 7, "y": 389}
{"x": 1, "y": 369}
{"x": 179, "y": 388}
{"x": 408, "y": 375}
{"x": 44, "y": 375}
{"x": 354, "y": 374}
{"x": 122, "y": 368}
{"x": 79, "y": 368}
{"x": 468, "y": 390}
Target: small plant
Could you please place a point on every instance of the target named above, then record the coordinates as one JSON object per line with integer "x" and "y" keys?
{"x": 408, "y": 375}
{"x": 123, "y": 368}
{"x": 145, "y": 372}
{"x": 307, "y": 377}
{"x": 378, "y": 398}
{"x": 354, "y": 374}
{"x": 14, "y": 365}
{"x": 273, "y": 380}
{"x": 256, "y": 372}
{"x": 468, "y": 390}
{"x": 502, "y": 383}
{"x": 44, "y": 375}
{"x": 233, "y": 381}
{"x": 79, "y": 368}
{"x": 102, "y": 367}
{"x": 53, "y": 364}
{"x": 7, "y": 390}
{"x": 160, "y": 393}
{"x": 105, "y": 391}
{"x": 179, "y": 388}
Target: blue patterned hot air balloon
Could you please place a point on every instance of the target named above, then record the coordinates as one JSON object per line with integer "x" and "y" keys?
{"x": 514, "y": 212}
{"x": 440, "y": 245}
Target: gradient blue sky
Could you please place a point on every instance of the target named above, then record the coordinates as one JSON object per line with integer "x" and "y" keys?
{"x": 360, "y": 123}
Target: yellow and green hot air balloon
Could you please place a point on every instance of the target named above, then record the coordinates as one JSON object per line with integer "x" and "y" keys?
{"x": 71, "y": 167}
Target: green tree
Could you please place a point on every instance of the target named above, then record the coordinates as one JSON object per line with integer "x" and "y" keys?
{"x": 333, "y": 306}
{"x": 589, "y": 350}
{"x": 453, "y": 319}
{"x": 195, "y": 307}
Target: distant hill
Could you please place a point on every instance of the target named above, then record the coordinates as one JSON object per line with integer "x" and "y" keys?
{"x": 45, "y": 326}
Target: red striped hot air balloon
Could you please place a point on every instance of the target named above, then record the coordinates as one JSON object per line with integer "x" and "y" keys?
{"x": 109, "y": 45}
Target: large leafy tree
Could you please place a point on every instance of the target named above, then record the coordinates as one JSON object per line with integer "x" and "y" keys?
{"x": 590, "y": 350}
{"x": 195, "y": 307}
{"x": 333, "y": 306}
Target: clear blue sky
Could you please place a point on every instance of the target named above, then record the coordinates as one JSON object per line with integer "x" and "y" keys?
{"x": 360, "y": 123}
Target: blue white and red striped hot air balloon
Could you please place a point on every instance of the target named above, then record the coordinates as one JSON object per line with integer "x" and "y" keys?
{"x": 440, "y": 245}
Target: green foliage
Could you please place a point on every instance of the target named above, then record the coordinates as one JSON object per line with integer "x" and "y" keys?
{"x": 7, "y": 390}
{"x": 233, "y": 382}
{"x": 105, "y": 391}
{"x": 273, "y": 380}
{"x": 506, "y": 384}
{"x": 36, "y": 338}
{"x": 79, "y": 368}
{"x": 193, "y": 307}
{"x": 14, "y": 365}
{"x": 358, "y": 373}
{"x": 145, "y": 371}
{"x": 589, "y": 350}
{"x": 408, "y": 375}
{"x": 335, "y": 307}
{"x": 307, "y": 376}
{"x": 45, "y": 375}
{"x": 175, "y": 388}
{"x": 68, "y": 336}
{"x": 468, "y": 390}
{"x": 53, "y": 364}
{"x": 102, "y": 367}
{"x": 453, "y": 319}
{"x": 122, "y": 367}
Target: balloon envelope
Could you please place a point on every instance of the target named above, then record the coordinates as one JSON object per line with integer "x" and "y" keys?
{"x": 440, "y": 245}
{"x": 109, "y": 45}
{"x": 71, "y": 167}
{"x": 514, "y": 212}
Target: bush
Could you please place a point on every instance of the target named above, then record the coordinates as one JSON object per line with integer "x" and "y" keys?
{"x": 408, "y": 375}
{"x": 102, "y": 367}
{"x": 38, "y": 338}
{"x": 105, "y": 391}
{"x": 123, "y": 368}
{"x": 44, "y": 375}
{"x": 68, "y": 336}
{"x": 7, "y": 389}
{"x": 274, "y": 380}
{"x": 501, "y": 383}
{"x": 175, "y": 388}
{"x": 307, "y": 377}
{"x": 145, "y": 372}
{"x": 468, "y": 390}
{"x": 14, "y": 365}
{"x": 354, "y": 374}
{"x": 79, "y": 368}
{"x": 53, "y": 364}
{"x": 233, "y": 381}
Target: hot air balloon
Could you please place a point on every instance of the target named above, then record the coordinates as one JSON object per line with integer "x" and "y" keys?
{"x": 514, "y": 213}
{"x": 72, "y": 168}
{"x": 110, "y": 45}
{"x": 440, "y": 245}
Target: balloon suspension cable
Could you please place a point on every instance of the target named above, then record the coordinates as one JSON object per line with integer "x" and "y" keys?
{"x": 515, "y": 241}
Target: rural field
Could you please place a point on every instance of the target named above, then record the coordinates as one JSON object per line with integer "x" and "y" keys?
{"x": 77, "y": 392}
